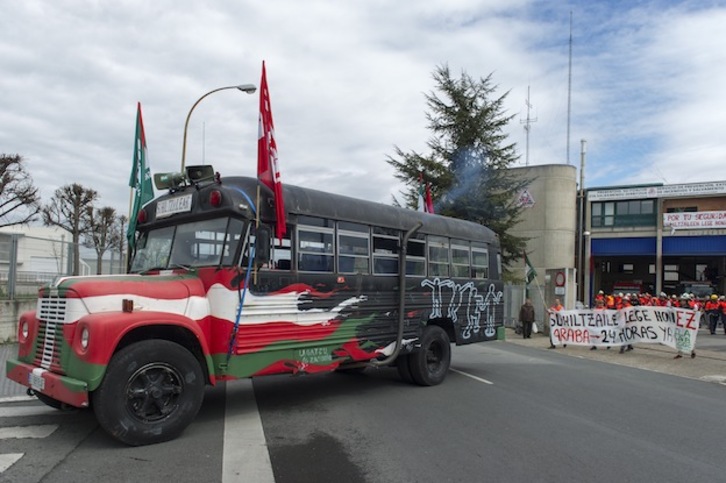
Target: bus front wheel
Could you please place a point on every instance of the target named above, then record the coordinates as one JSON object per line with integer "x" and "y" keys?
{"x": 430, "y": 363}
{"x": 152, "y": 391}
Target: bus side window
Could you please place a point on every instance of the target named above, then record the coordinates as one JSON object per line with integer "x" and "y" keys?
{"x": 315, "y": 246}
{"x": 438, "y": 256}
{"x": 479, "y": 260}
{"x": 281, "y": 253}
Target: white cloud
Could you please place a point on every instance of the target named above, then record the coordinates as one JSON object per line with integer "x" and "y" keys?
{"x": 347, "y": 82}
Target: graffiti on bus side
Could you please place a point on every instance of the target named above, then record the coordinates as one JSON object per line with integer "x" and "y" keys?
{"x": 450, "y": 296}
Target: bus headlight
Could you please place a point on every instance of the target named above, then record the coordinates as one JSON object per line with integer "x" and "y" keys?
{"x": 85, "y": 337}
{"x": 24, "y": 330}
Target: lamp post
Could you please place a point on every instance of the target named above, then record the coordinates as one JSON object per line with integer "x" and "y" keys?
{"x": 248, "y": 88}
{"x": 581, "y": 227}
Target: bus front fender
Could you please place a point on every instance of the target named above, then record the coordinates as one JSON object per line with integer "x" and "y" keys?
{"x": 106, "y": 332}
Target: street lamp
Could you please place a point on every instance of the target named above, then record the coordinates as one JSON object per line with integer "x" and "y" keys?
{"x": 248, "y": 88}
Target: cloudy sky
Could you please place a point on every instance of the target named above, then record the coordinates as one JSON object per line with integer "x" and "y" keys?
{"x": 347, "y": 82}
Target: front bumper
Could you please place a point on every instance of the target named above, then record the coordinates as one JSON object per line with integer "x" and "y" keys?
{"x": 61, "y": 388}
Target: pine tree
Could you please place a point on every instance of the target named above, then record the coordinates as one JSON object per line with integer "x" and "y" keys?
{"x": 470, "y": 154}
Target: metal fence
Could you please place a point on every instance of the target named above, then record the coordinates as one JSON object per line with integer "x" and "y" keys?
{"x": 28, "y": 262}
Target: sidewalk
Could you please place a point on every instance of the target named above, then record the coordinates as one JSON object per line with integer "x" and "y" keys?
{"x": 9, "y": 388}
{"x": 709, "y": 364}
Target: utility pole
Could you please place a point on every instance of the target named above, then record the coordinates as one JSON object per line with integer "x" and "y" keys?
{"x": 527, "y": 126}
{"x": 581, "y": 227}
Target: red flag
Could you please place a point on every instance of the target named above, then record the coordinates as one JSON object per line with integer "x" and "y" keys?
{"x": 429, "y": 201}
{"x": 425, "y": 203}
{"x": 267, "y": 169}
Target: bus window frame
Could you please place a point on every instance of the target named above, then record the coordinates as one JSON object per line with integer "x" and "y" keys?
{"x": 438, "y": 242}
{"x": 327, "y": 254}
{"x": 460, "y": 245}
{"x": 345, "y": 229}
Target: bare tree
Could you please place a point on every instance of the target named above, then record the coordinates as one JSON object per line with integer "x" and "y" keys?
{"x": 103, "y": 232}
{"x": 19, "y": 198}
{"x": 67, "y": 209}
{"x": 122, "y": 221}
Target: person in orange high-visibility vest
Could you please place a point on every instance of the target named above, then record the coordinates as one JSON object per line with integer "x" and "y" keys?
{"x": 713, "y": 313}
{"x": 610, "y": 302}
{"x": 556, "y": 307}
{"x": 722, "y": 304}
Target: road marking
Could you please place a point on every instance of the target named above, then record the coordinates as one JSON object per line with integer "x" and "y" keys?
{"x": 25, "y": 411}
{"x": 476, "y": 378}
{"x": 35, "y": 432}
{"x": 245, "y": 455}
{"x": 7, "y": 460}
{"x": 11, "y": 399}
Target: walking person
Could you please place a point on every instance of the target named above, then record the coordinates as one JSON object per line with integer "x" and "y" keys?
{"x": 526, "y": 318}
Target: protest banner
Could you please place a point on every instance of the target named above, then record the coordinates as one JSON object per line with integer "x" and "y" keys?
{"x": 670, "y": 326}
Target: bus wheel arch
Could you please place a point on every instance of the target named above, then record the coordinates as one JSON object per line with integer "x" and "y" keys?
{"x": 173, "y": 333}
{"x": 152, "y": 391}
{"x": 430, "y": 362}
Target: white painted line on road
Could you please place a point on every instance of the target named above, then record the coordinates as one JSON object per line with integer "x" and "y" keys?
{"x": 7, "y": 460}
{"x": 476, "y": 378}
{"x": 245, "y": 456}
{"x": 30, "y": 410}
{"x": 36, "y": 432}
{"x": 10, "y": 399}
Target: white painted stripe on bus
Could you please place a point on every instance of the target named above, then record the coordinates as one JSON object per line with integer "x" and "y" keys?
{"x": 8, "y": 459}
{"x": 245, "y": 455}
{"x": 21, "y": 432}
{"x": 476, "y": 378}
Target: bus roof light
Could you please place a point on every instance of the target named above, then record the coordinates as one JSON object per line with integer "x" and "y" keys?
{"x": 215, "y": 198}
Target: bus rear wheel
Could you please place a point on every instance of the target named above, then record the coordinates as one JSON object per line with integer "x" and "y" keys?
{"x": 430, "y": 363}
{"x": 152, "y": 391}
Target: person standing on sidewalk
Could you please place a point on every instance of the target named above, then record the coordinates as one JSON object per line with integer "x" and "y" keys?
{"x": 713, "y": 312}
{"x": 526, "y": 317}
{"x": 556, "y": 307}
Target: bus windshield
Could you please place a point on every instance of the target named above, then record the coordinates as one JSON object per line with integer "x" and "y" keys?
{"x": 196, "y": 244}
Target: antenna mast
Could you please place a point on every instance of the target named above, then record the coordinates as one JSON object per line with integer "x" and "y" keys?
{"x": 569, "y": 92}
{"x": 527, "y": 126}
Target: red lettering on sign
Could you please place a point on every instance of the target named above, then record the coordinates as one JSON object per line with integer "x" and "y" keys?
{"x": 580, "y": 336}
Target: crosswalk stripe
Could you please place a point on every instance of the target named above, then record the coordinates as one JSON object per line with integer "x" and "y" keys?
{"x": 7, "y": 460}
{"x": 11, "y": 399}
{"x": 245, "y": 453}
{"x": 20, "y": 432}
{"x": 25, "y": 411}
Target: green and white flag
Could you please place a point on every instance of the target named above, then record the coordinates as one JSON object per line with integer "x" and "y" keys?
{"x": 529, "y": 272}
{"x": 140, "y": 180}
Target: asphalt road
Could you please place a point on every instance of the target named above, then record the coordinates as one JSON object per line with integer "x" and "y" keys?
{"x": 509, "y": 411}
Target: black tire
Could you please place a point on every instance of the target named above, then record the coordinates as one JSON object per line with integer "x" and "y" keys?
{"x": 404, "y": 370}
{"x": 152, "y": 391}
{"x": 430, "y": 363}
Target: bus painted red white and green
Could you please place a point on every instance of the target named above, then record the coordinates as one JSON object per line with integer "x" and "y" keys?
{"x": 213, "y": 295}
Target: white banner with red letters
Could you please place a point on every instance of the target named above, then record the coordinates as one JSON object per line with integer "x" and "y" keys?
{"x": 670, "y": 326}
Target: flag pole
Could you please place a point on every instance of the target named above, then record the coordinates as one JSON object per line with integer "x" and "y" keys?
{"x": 123, "y": 235}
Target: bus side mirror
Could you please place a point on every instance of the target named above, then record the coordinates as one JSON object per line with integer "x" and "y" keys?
{"x": 262, "y": 246}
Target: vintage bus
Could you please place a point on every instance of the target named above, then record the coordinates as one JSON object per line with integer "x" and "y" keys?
{"x": 213, "y": 294}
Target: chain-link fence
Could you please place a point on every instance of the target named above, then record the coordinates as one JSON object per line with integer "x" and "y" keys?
{"x": 28, "y": 262}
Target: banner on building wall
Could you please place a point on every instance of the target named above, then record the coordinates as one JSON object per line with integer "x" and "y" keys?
{"x": 695, "y": 221}
{"x": 669, "y": 191}
{"x": 670, "y": 326}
